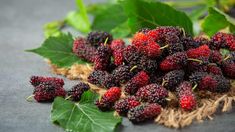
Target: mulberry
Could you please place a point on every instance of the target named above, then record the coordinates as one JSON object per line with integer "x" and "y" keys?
{"x": 131, "y": 55}
{"x": 215, "y": 57}
{"x": 84, "y": 50}
{"x": 202, "y": 51}
{"x": 214, "y": 69}
{"x": 98, "y": 37}
{"x": 102, "y": 79}
{"x": 124, "y": 105}
{"x": 228, "y": 67}
{"x": 103, "y": 57}
{"x": 187, "y": 99}
{"x": 222, "y": 40}
{"x": 122, "y": 74}
{"x": 172, "y": 79}
{"x": 174, "y": 62}
{"x": 46, "y": 92}
{"x": 37, "y": 80}
{"x": 143, "y": 112}
{"x": 107, "y": 101}
{"x": 76, "y": 92}
{"x": 117, "y": 44}
{"x": 139, "y": 80}
{"x": 153, "y": 93}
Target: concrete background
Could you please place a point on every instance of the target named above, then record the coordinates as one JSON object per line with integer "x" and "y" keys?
{"x": 21, "y": 24}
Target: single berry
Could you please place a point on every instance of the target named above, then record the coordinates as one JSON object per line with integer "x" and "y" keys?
{"x": 222, "y": 40}
{"x": 118, "y": 57}
{"x": 96, "y": 38}
{"x": 131, "y": 55}
{"x": 139, "y": 80}
{"x": 228, "y": 67}
{"x": 201, "y": 40}
{"x": 107, "y": 101}
{"x": 224, "y": 84}
{"x": 168, "y": 34}
{"x": 76, "y": 92}
{"x": 214, "y": 69}
{"x": 144, "y": 112}
{"x": 37, "y": 80}
{"x": 103, "y": 57}
{"x": 46, "y": 92}
{"x": 124, "y": 105}
{"x": 172, "y": 79}
{"x": 117, "y": 44}
{"x": 175, "y": 47}
{"x": 122, "y": 74}
{"x": 153, "y": 93}
{"x": 102, "y": 79}
{"x": 174, "y": 62}
{"x": 187, "y": 99}
{"x": 215, "y": 57}
{"x": 202, "y": 51}
{"x": 189, "y": 43}
{"x": 146, "y": 45}
{"x": 147, "y": 64}
{"x": 197, "y": 65}
{"x": 208, "y": 82}
{"x": 84, "y": 50}
{"x": 196, "y": 77}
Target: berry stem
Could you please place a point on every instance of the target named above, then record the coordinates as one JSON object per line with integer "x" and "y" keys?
{"x": 194, "y": 87}
{"x": 164, "y": 47}
{"x": 227, "y": 57}
{"x": 196, "y": 60}
{"x": 29, "y": 98}
{"x": 211, "y": 64}
{"x": 106, "y": 40}
{"x": 168, "y": 99}
{"x": 133, "y": 68}
{"x": 163, "y": 82}
{"x": 68, "y": 97}
{"x": 182, "y": 29}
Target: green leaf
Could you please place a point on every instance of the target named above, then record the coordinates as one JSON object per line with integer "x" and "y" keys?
{"x": 152, "y": 14}
{"x": 53, "y": 28}
{"x": 217, "y": 20}
{"x": 79, "y": 19}
{"x": 83, "y": 116}
{"x": 197, "y": 13}
{"x": 58, "y": 50}
{"x": 108, "y": 18}
{"x": 121, "y": 31}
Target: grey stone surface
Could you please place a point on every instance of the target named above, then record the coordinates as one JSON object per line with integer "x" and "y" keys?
{"x": 21, "y": 24}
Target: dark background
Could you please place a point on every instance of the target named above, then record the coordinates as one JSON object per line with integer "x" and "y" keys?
{"x": 21, "y": 24}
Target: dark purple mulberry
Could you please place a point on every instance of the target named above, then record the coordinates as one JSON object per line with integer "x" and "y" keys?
{"x": 153, "y": 93}
{"x": 96, "y": 38}
{"x": 77, "y": 91}
{"x": 84, "y": 50}
{"x": 144, "y": 112}
{"x": 172, "y": 79}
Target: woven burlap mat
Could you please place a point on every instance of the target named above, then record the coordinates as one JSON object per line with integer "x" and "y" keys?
{"x": 171, "y": 116}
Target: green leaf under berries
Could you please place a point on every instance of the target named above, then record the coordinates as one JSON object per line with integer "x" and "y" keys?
{"x": 217, "y": 20}
{"x": 151, "y": 14}
{"x": 79, "y": 19}
{"x": 108, "y": 18}
{"x": 59, "y": 51}
{"x": 83, "y": 116}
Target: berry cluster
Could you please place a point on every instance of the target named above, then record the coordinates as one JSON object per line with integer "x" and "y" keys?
{"x": 157, "y": 61}
{"x": 47, "y": 88}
